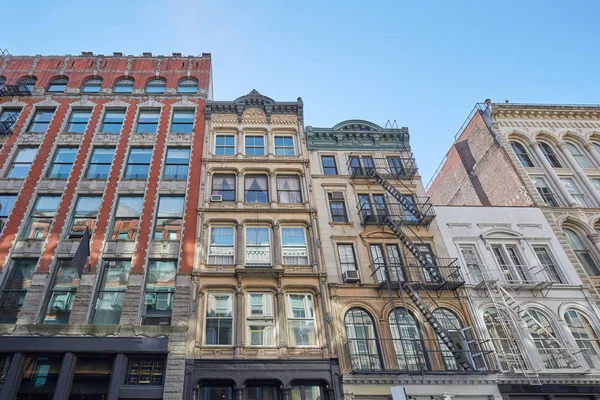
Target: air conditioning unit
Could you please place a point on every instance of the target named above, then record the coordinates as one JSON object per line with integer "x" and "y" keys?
{"x": 216, "y": 198}
{"x": 351, "y": 276}
{"x": 336, "y": 196}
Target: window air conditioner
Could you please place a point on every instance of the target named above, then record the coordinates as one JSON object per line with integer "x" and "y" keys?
{"x": 216, "y": 198}
{"x": 351, "y": 276}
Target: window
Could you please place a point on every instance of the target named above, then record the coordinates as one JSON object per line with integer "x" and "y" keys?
{"x": 28, "y": 82}
{"x": 547, "y": 263}
{"x": 596, "y": 183}
{"x": 545, "y": 191}
{"x": 408, "y": 344}
{"x": 551, "y": 358}
{"x": 7, "y": 202}
{"x": 92, "y": 85}
{"x": 62, "y": 163}
{"x": 216, "y": 393}
{"x": 124, "y": 86}
{"x": 169, "y": 218}
{"x": 578, "y": 155}
{"x": 177, "y": 163}
{"x": 472, "y": 262}
{"x": 258, "y": 246}
{"x": 575, "y": 192}
{"x": 148, "y": 121}
{"x": 596, "y": 146}
{"x": 581, "y": 251}
{"x": 293, "y": 246}
{"x": 522, "y": 154}
{"x": 187, "y": 86}
{"x": 92, "y": 374}
{"x": 15, "y": 288}
{"x": 255, "y": 145}
{"x": 329, "y": 166}
{"x": 585, "y": 336}
{"x": 224, "y": 186}
{"x": 22, "y": 162}
{"x": 85, "y": 214}
{"x": 78, "y": 121}
{"x": 284, "y": 146}
{"x": 40, "y": 377}
{"x": 337, "y": 207}
{"x": 159, "y": 292}
{"x": 58, "y": 85}
{"x": 288, "y": 189}
{"x": 364, "y": 165}
{"x": 449, "y": 321}
{"x": 8, "y": 118}
{"x": 138, "y": 163}
{"x": 512, "y": 268}
{"x": 302, "y": 328}
{"x": 221, "y": 250}
{"x": 183, "y": 121}
{"x": 347, "y": 257}
{"x": 387, "y": 263}
{"x": 260, "y": 326}
{"x": 256, "y": 189}
{"x": 127, "y": 218}
{"x": 260, "y": 392}
{"x": 41, "y": 217}
{"x": 41, "y": 121}
{"x": 113, "y": 121}
{"x": 373, "y": 208}
{"x": 111, "y": 292}
{"x": 551, "y": 156}
{"x": 499, "y": 328}
{"x": 395, "y": 165}
{"x": 225, "y": 145}
{"x": 219, "y": 319}
{"x": 363, "y": 346}
{"x": 156, "y": 86}
{"x": 307, "y": 392}
{"x": 61, "y": 294}
{"x": 145, "y": 371}
{"x": 100, "y": 163}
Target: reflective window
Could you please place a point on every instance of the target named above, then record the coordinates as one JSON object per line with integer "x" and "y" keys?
{"x": 91, "y": 378}
{"x": 255, "y": 145}
{"x": 40, "y": 376}
{"x": 544, "y": 190}
{"x": 138, "y": 163}
{"x": 7, "y": 201}
{"x": 169, "y": 218}
{"x": 62, "y": 163}
{"x": 8, "y": 118}
{"x": 578, "y": 155}
{"x": 127, "y": 218}
{"x": 41, "y": 121}
{"x": 549, "y": 269}
{"x": 78, "y": 121}
{"x": 284, "y": 146}
{"x": 522, "y": 154}
{"x": 302, "y": 328}
{"x": 92, "y": 85}
{"x": 582, "y": 252}
{"x": 183, "y": 121}
{"x": 337, "y": 206}
{"x": 177, "y": 163}
{"x": 15, "y": 288}
{"x": 225, "y": 145}
{"x": 41, "y": 217}
{"x": 216, "y": 393}
{"x": 159, "y": 292}
{"x": 258, "y": 246}
{"x": 256, "y": 189}
{"x": 221, "y": 249}
{"x": 58, "y": 85}
{"x": 408, "y": 344}
{"x": 187, "y": 86}
{"x": 293, "y": 246}
{"x": 111, "y": 292}
{"x": 575, "y": 191}
{"x": 113, "y": 121}
{"x": 260, "y": 323}
{"x": 585, "y": 336}
{"x": 307, "y": 392}
{"x": 219, "y": 319}
{"x": 28, "y": 82}
{"x": 156, "y": 86}
{"x": 363, "y": 346}
{"x": 450, "y": 322}
{"x": 224, "y": 186}
{"x": 550, "y": 154}
{"x": 145, "y": 371}
{"x": 84, "y": 215}
{"x": 61, "y": 294}
{"x": 124, "y": 86}
{"x": 288, "y": 189}
{"x": 551, "y": 357}
{"x": 329, "y": 165}
{"x": 148, "y": 121}
{"x": 100, "y": 163}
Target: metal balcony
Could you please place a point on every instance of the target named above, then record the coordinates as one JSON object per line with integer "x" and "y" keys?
{"x": 416, "y": 211}
{"x": 442, "y": 274}
{"x": 15, "y": 90}
{"x": 392, "y": 167}
{"x": 7, "y": 122}
{"x": 519, "y": 277}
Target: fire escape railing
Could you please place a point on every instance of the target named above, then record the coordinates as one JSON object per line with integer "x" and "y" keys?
{"x": 20, "y": 89}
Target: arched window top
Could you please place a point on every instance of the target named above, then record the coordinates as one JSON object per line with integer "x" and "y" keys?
{"x": 156, "y": 86}
{"x": 447, "y": 319}
{"x": 578, "y": 155}
{"x": 550, "y": 357}
{"x": 358, "y": 316}
{"x": 189, "y": 85}
{"x": 92, "y": 85}
{"x": 522, "y": 154}
{"x": 575, "y": 240}
{"x": 550, "y": 154}
{"x": 585, "y": 336}
{"x": 58, "y": 85}
{"x": 362, "y": 340}
{"x": 582, "y": 252}
{"x": 124, "y": 85}
{"x": 408, "y": 344}
{"x": 28, "y": 81}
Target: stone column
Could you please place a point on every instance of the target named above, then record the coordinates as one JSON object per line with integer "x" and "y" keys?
{"x": 34, "y": 299}
{"x": 273, "y": 189}
{"x": 270, "y": 145}
{"x": 239, "y": 192}
{"x": 132, "y": 301}
{"x": 312, "y": 249}
{"x": 553, "y": 175}
{"x": 239, "y": 394}
{"x": 238, "y": 325}
{"x": 281, "y": 322}
{"x": 276, "y": 260}
{"x": 116, "y": 377}
{"x": 593, "y": 152}
{"x": 83, "y": 297}
{"x": 285, "y": 393}
{"x": 240, "y": 143}
{"x": 65, "y": 377}
{"x": 239, "y": 246}
{"x": 579, "y": 172}
{"x": 208, "y": 188}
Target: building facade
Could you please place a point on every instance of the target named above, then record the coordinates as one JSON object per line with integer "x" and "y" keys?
{"x": 110, "y": 145}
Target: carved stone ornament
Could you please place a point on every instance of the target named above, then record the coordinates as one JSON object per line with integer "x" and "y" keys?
{"x": 254, "y": 115}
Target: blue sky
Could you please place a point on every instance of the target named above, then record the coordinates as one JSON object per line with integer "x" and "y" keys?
{"x": 422, "y": 63}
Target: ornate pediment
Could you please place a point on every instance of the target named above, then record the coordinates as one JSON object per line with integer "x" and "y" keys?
{"x": 358, "y": 134}
{"x": 252, "y": 103}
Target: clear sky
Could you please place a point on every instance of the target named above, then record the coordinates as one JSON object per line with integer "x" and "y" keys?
{"x": 422, "y": 63}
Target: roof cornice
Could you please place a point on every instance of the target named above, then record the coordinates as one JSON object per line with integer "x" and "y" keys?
{"x": 255, "y": 100}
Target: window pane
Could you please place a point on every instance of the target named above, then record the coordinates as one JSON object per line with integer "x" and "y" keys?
{"x": 293, "y": 243}
{"x": 6, "y": 204}
{"x": 100, "y": 163}
{"x": 111, "y": 293}
{"x": 169, "y": 218}
{"x": 78, "y": 121}
{"x": 187, "y": 86}
{"x": 225, "y": 145}
{"x": 156, "y": 86}
{"x": 84, "y": 215}
{"x": 40, "y": 376}
{"x": 113, "y": 121}
{"x": 148, "y": 121}
{"x": 92, "y": 377}
{"x": 224, "y": 186}
{"x": 145, "y": 371}
{"x": 130, "y": 207}
{"x": 221, "y": 249}
{"x": 255, "y": 145}
{"x": 256, "y": 189}
{"x": 183, "y": 121}
{"x": 62, "y": 294}
{"x": 40, "y": 121}
{"x": 258, "y": 246}
{"x": 158, "y": 296}
{"x": 124, "y": 86}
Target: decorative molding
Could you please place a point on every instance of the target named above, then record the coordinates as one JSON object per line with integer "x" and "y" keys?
{"x": 459, "y": 225}
{"x": 245, "y": 107}
{"x": 357, "y": 135}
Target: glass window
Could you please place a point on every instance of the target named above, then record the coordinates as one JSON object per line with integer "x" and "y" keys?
{"x": 138, "y": 163}
{"x": 596, "y": 146}
{"x": 258, "y": 246}
{"x": 62, "y": 163}
{"x": 92, "y": 85}
{"x": 28, "y": 82}
{"x": 449, "y": 321}
{"x": 387, "y": 263}
{"x": 78, "y": 121}
{"x": 522, "y": 154}
{"x": 224, "y": 186}
{"x": 144, "y": 371}
{"x": 111, "y": 292}
{"x": 256, "y": 189}
{"x": 100, "y": 163}
{"x": 288, "y": 189}
{"x": 302, "y": 328}
{"x": 337, "y": 207}
{"x": 148, "y": 121}
{"x": 472, "y": 262}
{"x": 216, "y": 393}
{"x": 575, "y": 192}
{"x": 58, "y": 85}
{"x": 512, "y": 267}
{"x": 545, "y": 191}
{"x": 159, "y": 292}
{"x": 550, "y": 155}
{"x": 256, "y": 392}
{"x": 7, "y": 202}
{"x": 177, "y": 163}
{"x": 221, "y": 249}
{"x": 41, "y": 217}
{"x": 41, "y": 121}
{"x": 408, "y": 344}
{"x": 15, "y": 288}
{"x": 113, "y": 121}
{"x": 581, "y": 251}
{"x": 219, "y": 319}
{"x": 578, "y": 155}
{"x": 596, "y": 183}
{"x": 547, "y": 263}
{"x": 169, "y": 218}
{"x": 284, "y": 146}
{"x": 260, "y": 326}
{"x": 224, "y": 145}
{"x": 85, "y": 214}
{"x": 124, "y": 86}
{"x": 91, "y": 378}
{"x": 585, "y": 336}
{"x": 8, "y": 118}
{"x": 255, "y": 145}
{"x": 187, "y": 86}
{"x": 551, "y": 358}
{"x": 307, "y": 392}
{"x": 40, "y": 377}
{"x": 329, "y": 166}
{"x": 363, "y": 346}
{"x": 293, "y": 246}
{"x": 61, "y": 294}
{"x": 183, "y": 121}
{"x": 156, "y": 86}
{"x": 127, "y": 218}
{"x": 347, "y": 257}
{"x": 498, "y": 326}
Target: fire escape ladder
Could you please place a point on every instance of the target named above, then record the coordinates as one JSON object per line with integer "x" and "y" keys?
{"x": 7, "y": 123}
{"x": 407, "y": 205}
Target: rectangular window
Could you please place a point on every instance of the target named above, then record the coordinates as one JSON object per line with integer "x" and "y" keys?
{"x": 258, "y": 246}
{"x": 284, "y": 146}
{"x": 260, "y": 325}
{"x": 113, "y": 121}
{"x": 111, "y": 292}
{"x": 302, "y": 329}
{"x": 100, "y": 163}
{"x": 221, "y": 250}
{"x": 40, "y": 377}
{"x": 255, "y": 145}
{"x": 159, "y": 292}
{"x": 138, "y": 163}
{"x": 169, "y": 218}
{"x": 41, "y": 121}
{"x": 8, "y": 118}
{"x": 472, "y": 262}
{"x": 22, "y": 162}
{"x": 224, "y": 186}
{"x": 146, "y": 371}
{"x": 256, "y": 189}
{"x": 85, "y": 214}
{"x": 62, "y": 163}
{"x": 547, "y": 263}
{"x": 337, "y": 207}
{"x": 219, "y": 319}
{"x": 225, "y": 145}
{"x": 545, "y": 191}
{"x": 293, "y": 246}
{"x": 329, "y": 166}
{"x": 78, "y": 121}
{"x": 7, "y": 202}
{"x": 41, "y": 217}
{"x": 91, "y": 372}
{"x": 61, "y": 294}
{"x": 148, "y": 121}
{"x": 127, "y": 218}
{"x": 288, "y": 189}
{"x": 347, "y": 257}
{"x": 575, "y": 192}
{"x": 177, "y": 163}
{"x": 15, "y": 288}
{"x": 183, "y": 121}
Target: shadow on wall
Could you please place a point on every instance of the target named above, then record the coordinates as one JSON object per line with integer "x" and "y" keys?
{"x": 466, "y": 156}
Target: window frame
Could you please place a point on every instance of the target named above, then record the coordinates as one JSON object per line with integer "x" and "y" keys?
{"x": 6, "y": 115}
{"x": 158, "y": 219}
{"x": 174, "y": 123}
{"x": 128, "y": 163}
{"x": 267, "y": 264}
{"x": 74, "y": 216}
{"x": 247, "y": 190}
{"x": 580, "y": 158}
{"x": 141, "y": 125}
{"x": 213, "y": 191}
{"x": 92, "y": 163}
{"x": 590, "y": 330}
{"x": 210, "y": 246}
{"x": 45, "y": 220}
{"x": 284, "y": 147}
{"x": 61, "y": 85}
{"x": 570, "y": 184}
{"x": 207, "y": 318}
{"x": 254, "y": 146}
{"x": 522, "y": 154}
{"x": 584, "y": 252}
{"x": 31, "y": 127}
{"x": 185, "y": 83}
{"x": 92, "y": 83}
{"x": 225, "y": 146}
{"x": 288, "y": 192}
{"x": 341, "y": 201}
{"x": 551, "y": 155}
{"x": 116, "y": 219}
{"x": 102, "y": 289}
{"x": 170, "y": 291}
{"x": 283, "y": 247}
{"x": 176, "y": 176}
{"x": 15, "y": 162}
{"x": 546, "y": 194}
{"x": 344, "y": 265}
{"x": 4, "y": 213}
{"x": 72, "y": 123}
{"x": 263, "y": 317}
{"x": 156, "y": 86}
{"x": 23, "y": 288}
{"x": 53, "y": 289}
{"x": 108, "y": 112}
{"x": 54, "y": 163}
{"x": 325, "y": 168}
{"x": 554, "y": 275}
{"x": 290, "y": 317}
{"x": 119, "y": 84}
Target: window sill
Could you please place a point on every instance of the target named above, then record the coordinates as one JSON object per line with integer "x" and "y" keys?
{"x": 341, "y": 223}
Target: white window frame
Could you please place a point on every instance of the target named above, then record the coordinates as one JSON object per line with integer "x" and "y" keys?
{"x": 305, "y": 244}
{"x": 294, "y": 147}
{"x": 206, "y": 318}
{"x": 580, "y": 195}
{"x": 471, "y": 273}
{"x": 579, "y": 156}
{"x": 210, "y": 237}
{"x": 270, "y": 233}
{"x": 266, "y": 317}
{"x": 290, "y": 317}
{"x": 265, "y": 144}
{"x": 235, "y": 143}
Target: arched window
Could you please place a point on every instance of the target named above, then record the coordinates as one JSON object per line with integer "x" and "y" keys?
{"x": 156, "y": 86}
{"x": 550, "y": 155}
{"x": 187, "y": 86}
{"x": 124, "y": 85}
{"x": 498, "y": 326}
{"x": 58, "y": 85}
{"x": 522, "y": 154}
{"x": 451, "y": 323}
{"x": 585, "y": 336}
{"x": 582, "y": 252}
{"x": 92, "y": 85}
{"x": 596, "y": 146}
{"x": 578, "y": 155}
{"x": 551, "y": 357}
{"x": 362, "y": 341}
{"x": 408, "y": 344}
{"x": 28, "y": 82}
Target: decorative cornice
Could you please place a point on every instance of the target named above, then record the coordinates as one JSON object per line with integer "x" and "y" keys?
{"x": 257, "y": 101}
{"x": 357, "y": 134}
{"x": 540, "y": 111}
